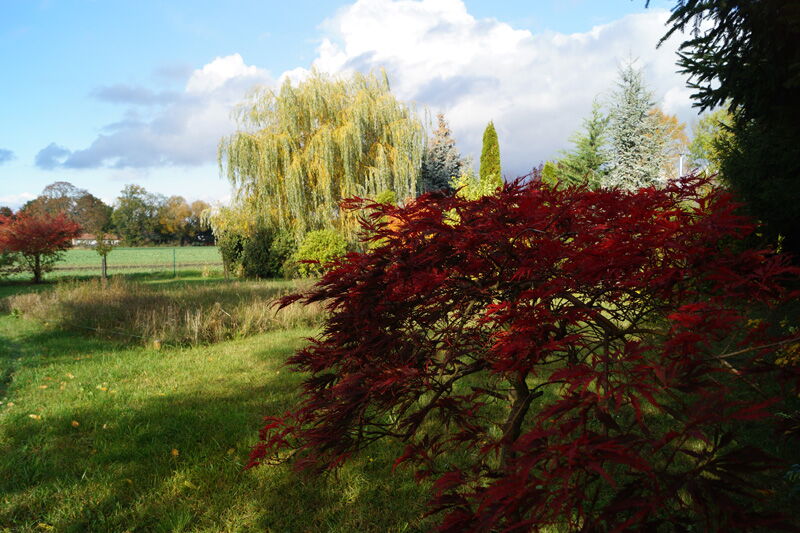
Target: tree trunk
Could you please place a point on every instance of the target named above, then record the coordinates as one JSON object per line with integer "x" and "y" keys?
{"x": 37, "y": 268}
{"x": 521, "y": 398}
{"x": 104, "y": 268}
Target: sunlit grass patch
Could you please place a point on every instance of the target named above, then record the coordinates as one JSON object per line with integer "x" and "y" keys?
{"x": 161, "y": 440}
{"x": 166, "y": 313}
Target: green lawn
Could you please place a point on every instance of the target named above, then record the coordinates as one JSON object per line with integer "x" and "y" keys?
{"x": 95, "y": 436}
{"x": 85, "y": 261}
{"x": 79, "y": 257}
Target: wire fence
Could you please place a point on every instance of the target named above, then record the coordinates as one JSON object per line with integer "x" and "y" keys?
{"x": 82, "y": 261}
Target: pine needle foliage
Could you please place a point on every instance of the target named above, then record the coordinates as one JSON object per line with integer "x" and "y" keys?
{"x": 587, "y": 162}
{"x": 301, "y": 150}
{"x": 636, "y": 137}
{"x": 442, "y": 161}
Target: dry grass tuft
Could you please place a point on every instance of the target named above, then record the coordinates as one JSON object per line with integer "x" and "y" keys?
{"x": 181, "y": 314}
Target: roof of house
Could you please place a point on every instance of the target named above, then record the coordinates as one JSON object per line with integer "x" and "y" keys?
{"x": 93, "y": 237}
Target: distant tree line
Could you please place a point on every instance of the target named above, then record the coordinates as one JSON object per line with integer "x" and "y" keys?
{"x": 137, "y": 217}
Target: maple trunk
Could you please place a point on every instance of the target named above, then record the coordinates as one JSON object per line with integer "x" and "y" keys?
{"x": 37, "y": 268}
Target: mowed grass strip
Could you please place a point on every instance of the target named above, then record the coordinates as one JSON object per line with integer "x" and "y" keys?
{"x": 99, "y": 437}
{"x": 86, "y": 262}
{"x": 124, "y": 256}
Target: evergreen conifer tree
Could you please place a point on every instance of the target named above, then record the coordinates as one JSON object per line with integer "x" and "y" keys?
{"x": 441, "y": 161}
{"x": 744, "y": 53}
{"x": 636, "y": 137}
{"x": 490, "y": 173}
{"x": 587, "y": 162}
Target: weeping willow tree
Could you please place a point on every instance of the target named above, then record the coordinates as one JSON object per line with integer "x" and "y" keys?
{"x": 301, "y": 150}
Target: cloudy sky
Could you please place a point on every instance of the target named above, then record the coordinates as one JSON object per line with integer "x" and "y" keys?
{"x": 102, "y": 94}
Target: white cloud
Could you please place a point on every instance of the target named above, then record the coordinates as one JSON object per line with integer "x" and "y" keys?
{"x": 536, "y": 88}
{"x": 15, "y": 201}
{"x": 163, "y": 129}
{"x": 221, "y": 71}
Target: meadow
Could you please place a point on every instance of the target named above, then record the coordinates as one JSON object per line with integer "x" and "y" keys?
{"x": 99, "y": 434}
{"x": 123, "y": 260}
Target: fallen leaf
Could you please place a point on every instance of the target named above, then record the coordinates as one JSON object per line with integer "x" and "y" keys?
{"x": 10, "y": 404}
{"x": 231, "y": 451}
{"x": 191, "y": 485}
{"x": 42, "y": 386}
{"x": 70, "y": 376}
{"x": 175, "y": 452}
{"x": 35, "y": 417}
{"x": 75, "y": 423}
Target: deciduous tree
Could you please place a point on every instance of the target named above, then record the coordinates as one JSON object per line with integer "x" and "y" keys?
{"x": 173, "y": 218}
{"x": 301, "y": 150}
{"x": 676, "y": 142}
{"x": 710, "y": 136}
{"x": 92, "y": 214}
{"x": 88, "y": 211}
{"x": 554, "y": 358}
{"x": 135, "y": 215}
{"x": 37, "y": 240}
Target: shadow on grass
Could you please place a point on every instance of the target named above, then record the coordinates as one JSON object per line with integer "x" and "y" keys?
{"x": 175, "y": 464}
{"x": 174, "y": 461}
{"x": 43, "y": 347}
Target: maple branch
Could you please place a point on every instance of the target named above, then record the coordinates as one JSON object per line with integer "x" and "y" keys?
{"x": 753, "y": 348}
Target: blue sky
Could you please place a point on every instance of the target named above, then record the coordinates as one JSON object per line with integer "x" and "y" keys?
{"x": 102, "y": 94}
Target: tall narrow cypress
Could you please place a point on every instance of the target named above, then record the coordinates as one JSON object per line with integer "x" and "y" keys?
{"x": 490, "y": 158}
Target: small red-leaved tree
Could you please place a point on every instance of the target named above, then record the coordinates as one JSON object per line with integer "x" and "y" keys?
{"x": 37, "y": 240}
{"x": 565, "y": 358}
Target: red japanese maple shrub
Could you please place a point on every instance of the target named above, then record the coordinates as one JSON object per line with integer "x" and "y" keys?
{"x": 37, "y": 240}
{"x": 562, "y": 358}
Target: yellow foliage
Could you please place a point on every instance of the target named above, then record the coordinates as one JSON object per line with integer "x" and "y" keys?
{"x": 677, "y": 142}
{"x": 301, "y": 150}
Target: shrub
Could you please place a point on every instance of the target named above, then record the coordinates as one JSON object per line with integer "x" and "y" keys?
{"x": 318, "y": 249}
{"x": 552, "y": 358}
{"x": 282, "y": 253}
{"x": 9, "y": 264}
{"x": 256, "y": 254}
{"x": 230, "y": 246}
{"x": 263, "y": 254}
